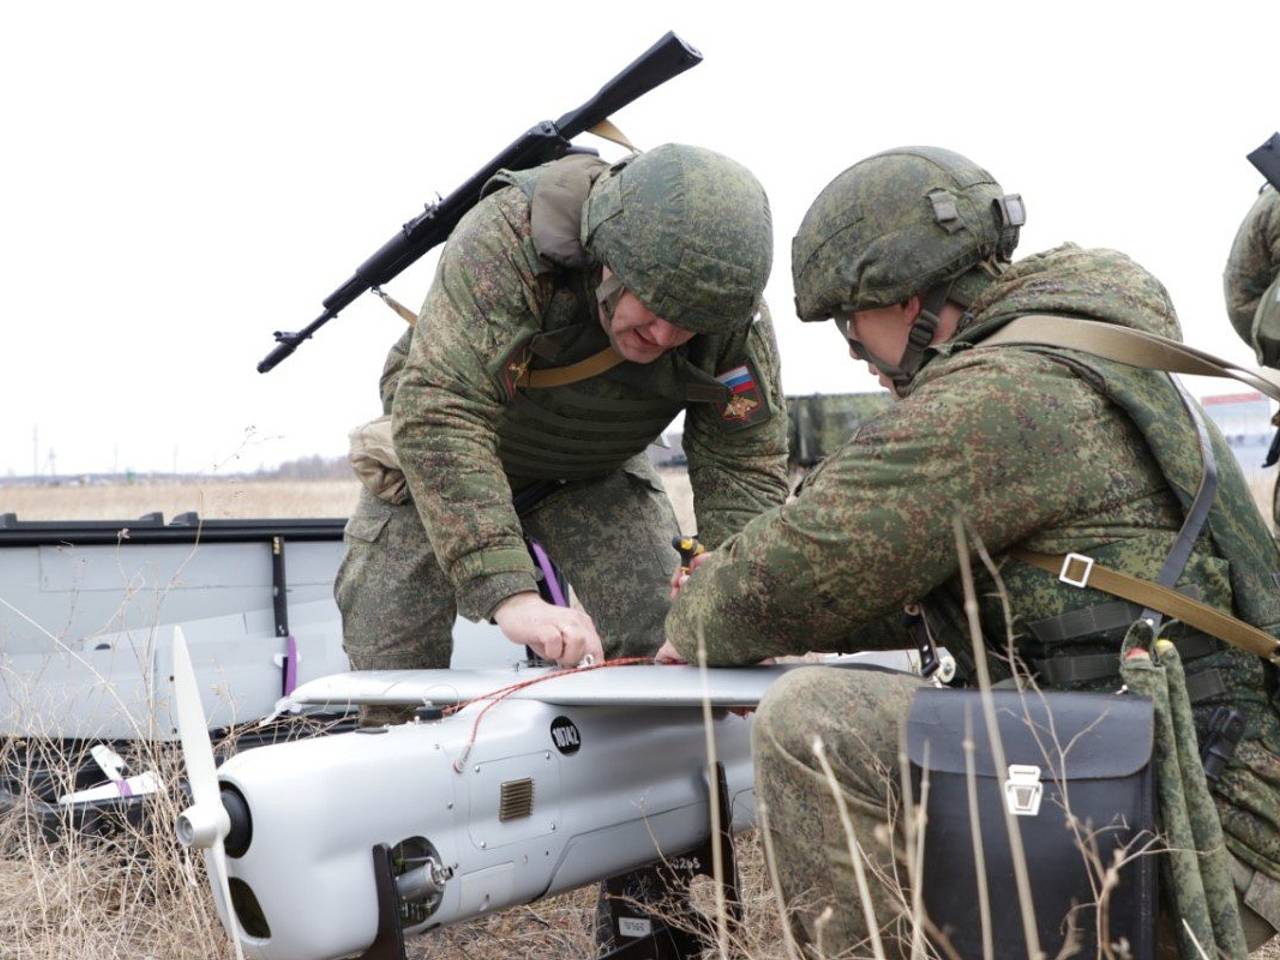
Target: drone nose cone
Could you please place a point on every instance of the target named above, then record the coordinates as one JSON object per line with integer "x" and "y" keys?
{"x": 202, "y": 825}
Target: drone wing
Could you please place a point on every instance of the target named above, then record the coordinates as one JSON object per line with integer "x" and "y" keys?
{"x": 647, "y": 685}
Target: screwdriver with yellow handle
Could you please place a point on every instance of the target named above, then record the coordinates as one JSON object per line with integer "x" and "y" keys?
{"x": 688, "y": 548}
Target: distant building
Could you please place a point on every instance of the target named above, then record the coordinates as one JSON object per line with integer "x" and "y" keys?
{"x": 1245, "y": 420}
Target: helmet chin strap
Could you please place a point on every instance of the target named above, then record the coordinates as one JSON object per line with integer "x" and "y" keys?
{"x": 919, "y": 337}
{"x": 608, "y": 293}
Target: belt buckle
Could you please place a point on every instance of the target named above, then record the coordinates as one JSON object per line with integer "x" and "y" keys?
{"x": 1065, "y": 573}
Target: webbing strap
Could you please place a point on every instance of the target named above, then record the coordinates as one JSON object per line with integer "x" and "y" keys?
{"x": 1197, "y": 513}
{"x": 1123, "y": 345}
{"x": 1080, "y": 571}
{"x": 592, "y": 366}
{"x": 606, "y": 130}
{"x": 1079, "y": 668}
{"x": 405, "y": 314}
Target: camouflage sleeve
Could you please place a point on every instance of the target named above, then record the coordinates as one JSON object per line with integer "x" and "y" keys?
{"x": 1254, "y": 262}
{"x": 1004, "y": 436}
{"x": 738, "y": 464}
{"x": 392, "y": 369}
{"x": 481, "y": 308}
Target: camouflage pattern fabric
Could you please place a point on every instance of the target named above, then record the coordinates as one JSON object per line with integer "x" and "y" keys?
{"x": 1265, "y": 332}
{"x": 1195, "y": 869}
{"x": 1032, "y": 448}
{"x": 856, "y": 713}
{"x": 494, "y": 303}
{"x": 611, "y": 536}
{"x": 1253, "y": 264}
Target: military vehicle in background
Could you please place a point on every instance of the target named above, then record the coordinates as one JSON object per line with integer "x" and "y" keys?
{"x": 820, "y": 423}
{"x": 817, "y": 425}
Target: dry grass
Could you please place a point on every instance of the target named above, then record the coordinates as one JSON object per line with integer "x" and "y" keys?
{"x": 213, "y": 499}
{"x": 226, "y": 499}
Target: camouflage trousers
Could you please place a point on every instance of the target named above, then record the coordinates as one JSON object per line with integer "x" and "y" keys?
{"x": 857, "y": 713}
{"x": 611, "y": 537}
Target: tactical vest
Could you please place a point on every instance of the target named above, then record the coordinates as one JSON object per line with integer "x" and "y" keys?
{"x": 593, "y": 426}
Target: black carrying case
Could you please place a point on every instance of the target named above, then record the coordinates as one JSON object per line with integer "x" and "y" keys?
{"x": 1100, "y": 746}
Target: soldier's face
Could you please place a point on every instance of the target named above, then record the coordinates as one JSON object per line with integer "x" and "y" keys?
{"x": 882, "y": 332}
{"x": 638, "y": 334}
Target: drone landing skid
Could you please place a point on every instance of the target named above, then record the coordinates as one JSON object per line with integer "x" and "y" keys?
{"x": 389, "y": 942}
{"x": 664, "y": 886}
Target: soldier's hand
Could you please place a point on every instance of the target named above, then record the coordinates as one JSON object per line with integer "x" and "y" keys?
{"x": 668, "y": 654}
{"x": 560, "y": 634}
{"x": 682, "y": 574}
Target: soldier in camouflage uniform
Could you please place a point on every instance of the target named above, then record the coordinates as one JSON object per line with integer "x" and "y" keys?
{"x": 661, "y": 258}
{"x": 1251, "y": 283}
{"x": 1046, "y": 449}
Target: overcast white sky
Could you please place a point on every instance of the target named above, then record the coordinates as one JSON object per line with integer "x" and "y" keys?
{"x": 182, "y": 179}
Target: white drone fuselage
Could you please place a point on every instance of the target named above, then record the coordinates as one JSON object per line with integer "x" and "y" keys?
{"x": 613, "y": 788}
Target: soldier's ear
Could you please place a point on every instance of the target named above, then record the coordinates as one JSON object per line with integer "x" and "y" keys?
{"x": 912, "y": 307}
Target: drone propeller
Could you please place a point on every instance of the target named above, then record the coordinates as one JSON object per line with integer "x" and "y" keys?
{"x": 205, "y": 823}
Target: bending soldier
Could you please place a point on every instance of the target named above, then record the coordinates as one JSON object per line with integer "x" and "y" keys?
{"x": 575, "y": 311}
{"x": 1045, "y": 449}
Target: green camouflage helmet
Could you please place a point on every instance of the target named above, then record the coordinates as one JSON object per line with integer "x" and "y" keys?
{"x": 898, "y": 224}
{"x": 686, "y": 230}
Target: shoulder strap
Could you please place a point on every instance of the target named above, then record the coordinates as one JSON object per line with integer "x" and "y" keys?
{"x": 1123, "y": 345}
{"x": 1080, "y": 571}
{"x": 592, "y": 366}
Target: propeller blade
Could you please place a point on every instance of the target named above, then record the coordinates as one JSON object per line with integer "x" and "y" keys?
{"x": 197, "y": 750}
{"x": 215, "y": 862}
{"x": 206, "y": 822}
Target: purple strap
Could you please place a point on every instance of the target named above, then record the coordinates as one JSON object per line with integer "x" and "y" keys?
{"x": 549, "y": 576}
{"x": 290, "y": 665}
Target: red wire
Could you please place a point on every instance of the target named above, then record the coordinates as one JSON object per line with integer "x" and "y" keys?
{"x": 497, "y": 696}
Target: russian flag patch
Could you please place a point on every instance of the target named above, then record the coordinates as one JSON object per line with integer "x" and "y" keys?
{"x": 744, "y": 405}
{"x": 738, "y": 380}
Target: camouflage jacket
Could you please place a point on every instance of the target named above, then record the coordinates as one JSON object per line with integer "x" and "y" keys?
{"x": 1031, "y": 448}
{"x": 467, "y": 435}
{"x": 1254, "y": 262}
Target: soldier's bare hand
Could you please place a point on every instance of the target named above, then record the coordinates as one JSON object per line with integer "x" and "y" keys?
{"x": 668, "y": 654}
{"x": 679, "y": 578}
{"x": 560, "y": 634}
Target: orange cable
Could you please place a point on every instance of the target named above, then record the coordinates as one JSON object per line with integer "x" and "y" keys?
{"x": 497, "y": 696}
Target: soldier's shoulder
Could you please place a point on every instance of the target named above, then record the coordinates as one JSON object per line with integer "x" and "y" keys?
{"x": 501, "y": 217}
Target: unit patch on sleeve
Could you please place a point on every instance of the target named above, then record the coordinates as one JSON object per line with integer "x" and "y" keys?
{"x": 745, "y": 404}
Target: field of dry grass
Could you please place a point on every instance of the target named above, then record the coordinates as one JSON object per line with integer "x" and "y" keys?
{"x": 213, "y": 499}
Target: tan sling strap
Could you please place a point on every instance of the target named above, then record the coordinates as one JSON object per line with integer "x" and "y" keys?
{"x": 594, "y": 365}
{"x": 605, "y": 130}
{"x": 1077, "y": 570}
{"x": 407, "y": 315}
{"x": 1134, "y": 347}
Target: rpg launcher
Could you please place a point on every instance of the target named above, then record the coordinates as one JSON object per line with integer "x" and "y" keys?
{"x": 540, "y": 144}
{"x": 1267, "y": 159}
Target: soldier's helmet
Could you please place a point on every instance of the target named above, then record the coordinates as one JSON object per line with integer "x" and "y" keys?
{"x": 897, "y": 224}
{"x": 688, "y": 231}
